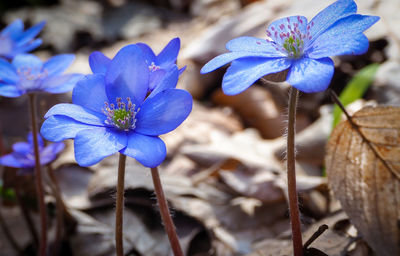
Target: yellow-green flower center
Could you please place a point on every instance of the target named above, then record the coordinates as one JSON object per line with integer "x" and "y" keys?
{"x": 121, "y": 116}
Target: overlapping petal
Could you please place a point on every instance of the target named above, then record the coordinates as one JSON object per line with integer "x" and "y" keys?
{"x": 169, "y": 54}
{"x": 58, "y": 64}
{"x": 13, "y": 29}
{"x": 30, "y": 33}
{"x": 58, "y": 128}
{"x": 163, "y": 112}
{"x": 8, "y": 90}
{"x": 128, "y": 75}
{"x": 50, "y": 152}
{"x": 78, "y": 113}
{"x": 12, "y": 161}
{"x": 253, "y": 44}
{"x": 311, "y": 75}
{"x": 90, "y": 92}
{"x": 344, "y": 37}
{"x": 99, "y": 63}
{"x": 225, "y": 58}
{"x": 327, "y": 17}
{"x": 148, "y": 150}
{"x": 244, "y": 72}
{"x": 8, "y": 73}
{"x": 27, "y": 61}
{"x": 60, "y": 83}
{"x": 169, "y": 81}
{"x": 92, "y": 145}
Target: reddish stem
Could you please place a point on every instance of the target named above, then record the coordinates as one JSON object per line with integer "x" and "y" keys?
{"x": 38, "y": 174}
{"x": 165, "y": 214}
{"x": 291, "y": 175}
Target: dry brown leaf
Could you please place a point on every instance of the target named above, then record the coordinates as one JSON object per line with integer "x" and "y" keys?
{"x": 366, "y": 182}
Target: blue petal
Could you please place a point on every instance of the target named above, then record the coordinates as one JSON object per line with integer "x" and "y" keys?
{"x": 310, "y": 75}
{"x": 27, "y": 47}
{"x": 59, "y": 128}
{"x": 225, "y": 58}
{"x": 253, "y": 44}
{"x": 8, "y": 73}
{"x": 8, "y": 90}
{"x": 344, "y": 37}
{"x": 155, "y": 78}
{"x": 163, "y": 112}
{"x": 49, "y": 153}
{"x": 128, "y": 76}
{"x": 148, "y": 150}
{"x": 169, "y": 81}
{"x": 286, "y": 25}
{"x": 40, "y": 140}
{"x": 92, "y": 145}
{"x": 61, "y": 83}
{"x": 147, "y": 53}
{"x": 90, "y": 92}
{"x": 169, "y": 54}
{"x": 11, "y": 161}
{"x": 58, "y": 64}
{"x": 99, "y": 63}
{"x": 30, "y": 33}
{"x": 78, "y": 113}
{"x": 22, "y": 148}
{"x": 15, "y": 28}
{"x": 27, "y": 61}
{"x": 328, "y": 16}
{"x": 244, "y": 72}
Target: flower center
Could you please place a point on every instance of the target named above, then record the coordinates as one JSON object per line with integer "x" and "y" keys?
{"x": 121, "y": 116}
{"x": 294, "y": 46}
{"x": 153, "y": 67}
{"x": 290, "y": 36}
{"x": 28, "y": 73}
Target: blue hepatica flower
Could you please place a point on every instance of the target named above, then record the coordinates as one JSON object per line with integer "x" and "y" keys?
{"x": 14, "y": 40}
{"x": 298, "y": 45}
{"x": 159, "y": 65}
{"x": 23, "y": 155}
{"x": 113, "y": 112}
{"x": 27, "y": 73}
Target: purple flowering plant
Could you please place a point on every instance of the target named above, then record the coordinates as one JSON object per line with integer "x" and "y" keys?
{"x": 298, "y": 45}
{"x": 28, "y": 74}
{"x": 113, "y": 112}
{"x": 14, "y": 40}
{"x": 23, "y": 153}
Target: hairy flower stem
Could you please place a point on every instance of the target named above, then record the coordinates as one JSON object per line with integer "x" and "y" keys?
{"x": 119, "y": 221}
{"x": 291, "y": 175}
{"x": 38, "y": 174}
{"x": 165, "y": 214}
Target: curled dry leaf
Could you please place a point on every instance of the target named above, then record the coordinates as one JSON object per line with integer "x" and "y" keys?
{"x": 363, "y": 171}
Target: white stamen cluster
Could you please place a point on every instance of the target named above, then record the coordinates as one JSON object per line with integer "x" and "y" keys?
{"x": 121, "y": 116}
{"x": 153, "y": 67}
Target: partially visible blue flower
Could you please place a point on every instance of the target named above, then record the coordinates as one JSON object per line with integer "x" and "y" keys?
{"x": 159, "y": 65}
{"x": 112, "y": 111}
{"x": 27, "y": 73}
{"x": 14, "y": 40}
{"x": 295, "y": 44}
{"x": 23, "y": 155}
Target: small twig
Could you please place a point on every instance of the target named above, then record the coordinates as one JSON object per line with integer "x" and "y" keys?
{"x": 291, "y": 175}
{"x": 9, "y": 236}
{"x": 314, "y": 236}
{"x": 336, "y": 99}
{"x": 39, "y": 183}
{"x": 165, "y": 214}
{"x": 119, "y": 221}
